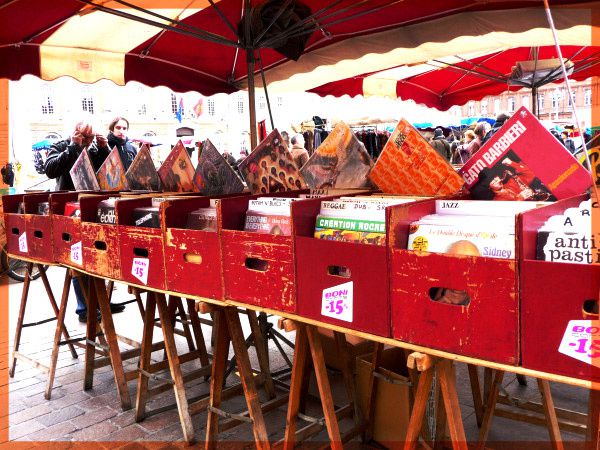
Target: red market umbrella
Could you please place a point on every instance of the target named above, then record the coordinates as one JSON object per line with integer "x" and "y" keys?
{"x": 212, "y": 46}
{"x": 443, "y": 83}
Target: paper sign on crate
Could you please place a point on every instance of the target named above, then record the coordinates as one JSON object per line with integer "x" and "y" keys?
{"x": 76, "y": 253}
{"x": 23, "y": 243}
{"x": 337, "y": 302}
{"x": 582, "y": 341}
{"x": 140, "y": 268}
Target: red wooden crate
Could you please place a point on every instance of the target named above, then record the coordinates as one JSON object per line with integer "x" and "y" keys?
{"x": 14, "y": 224}
{"x": 487, "y": 328}
{"x": 552, "y": 295}
{"x": 323, "y": 265}
{"x": 140, "y": 246}
{"x": 192, "y": 257}
{"x": 258, "y": 269}
{"x": 66, "y": 231}
{"x": 100, "y": 242}
{"x": 39, "y": 228}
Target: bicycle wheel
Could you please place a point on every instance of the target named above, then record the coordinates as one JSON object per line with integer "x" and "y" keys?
{"x": 16, "y": 268}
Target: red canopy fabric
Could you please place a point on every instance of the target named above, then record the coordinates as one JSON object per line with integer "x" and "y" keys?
{"x": 81, "y": 39}
{"x": 474, "y": 79}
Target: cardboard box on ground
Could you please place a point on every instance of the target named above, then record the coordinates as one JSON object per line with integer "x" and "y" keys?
{"x": 392, "y": 397}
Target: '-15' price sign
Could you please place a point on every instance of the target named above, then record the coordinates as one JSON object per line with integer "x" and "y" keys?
{"x": 140, "y": 268}
{"x": 76, "y": 255}
{"x": 337, "y": 302}
{"x": 582, "y": 341}
{"x": 23, "y": 242}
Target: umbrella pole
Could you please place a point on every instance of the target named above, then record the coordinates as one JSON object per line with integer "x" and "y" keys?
{"x": 534, "y": 100}
{"x": 251, "y": 95}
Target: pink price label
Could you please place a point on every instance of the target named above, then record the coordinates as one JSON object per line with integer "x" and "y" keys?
{"x": 23, "y": 243}
{"x": 581, "y": 341}
{"x": 337, "y": 302}
{"x": 140, "y": 268}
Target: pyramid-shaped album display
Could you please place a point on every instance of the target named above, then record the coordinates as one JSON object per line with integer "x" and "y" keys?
{"x": 111, "y": 174}
{"x": 142, "y": 174}
{"x": 177, "y": 172}
{"x": 271, "y": 168}
{"x": 340, "y": 162}
{"x": 214, "y": 176}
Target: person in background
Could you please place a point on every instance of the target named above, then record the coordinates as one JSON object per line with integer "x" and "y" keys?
{"x": 440, "y": 144}
{"x": 462, "y": 153}
{"x": 286, "y": 138}
{"x": 481, "y": 129}
{"x": 500, "y": 120}
{"x": 117, "y": 137}
{"x": 59, "y": 162}
{"x": 299, "y": 153}
{"x": 567, "y": 141}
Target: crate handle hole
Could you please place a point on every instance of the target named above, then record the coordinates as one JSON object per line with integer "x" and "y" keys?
{"x": 66, "y": 237}
{"x": 590, "y": 308}
{"x": 100, "y": 245}
{"x": 38, "y": 234}
{"x": 449, "y": 296}
{"x": 339, "y": 271}
{"x": 257, "y": 264}
{"x": 15, "y": 231}
{"x": 140, "y": 252}
{"x": 193, "y": 258}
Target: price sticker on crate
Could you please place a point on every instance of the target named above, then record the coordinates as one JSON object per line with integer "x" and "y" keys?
{"x": 337, "y": 302}
{"x": 582, "y": 341}
{"x": 140, "y": 268}
{"x": 76, "y": 254}
{"x": 23, "y": 243}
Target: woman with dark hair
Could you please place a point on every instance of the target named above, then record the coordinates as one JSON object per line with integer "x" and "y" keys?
{"x": 117, "y": 137}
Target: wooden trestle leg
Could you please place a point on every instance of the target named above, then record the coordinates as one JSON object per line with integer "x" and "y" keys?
{"x": 308, "y": 340}
{"x": 17, "y": 340}
{"x": 228, "y": 329}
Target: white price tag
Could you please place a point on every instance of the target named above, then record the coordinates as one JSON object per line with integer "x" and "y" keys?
{"x": 139, "y": 269}
{"x": 23, "y": 242}
{"x": 582, "y": 341}
{"x": 76, "y": 255}
{"x": 337, "y": 301}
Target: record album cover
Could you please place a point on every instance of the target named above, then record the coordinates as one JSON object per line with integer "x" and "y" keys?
{"x": 214, "y": 176}
{"x": 82, "y": 173}
{"x": 142, "y": 174}
{"x": 177, "y": 172}
{"x": 341, "y": 162}
{"x": 409, "y": 165}
{"x": 111, "y": 174}
{"x": 271, "y": 168}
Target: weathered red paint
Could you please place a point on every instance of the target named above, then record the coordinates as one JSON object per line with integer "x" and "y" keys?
{"x": 140, "y": 242}
{"x": 257, "y": 268}
{"x": 14, "y": 223}
{"x": 104, "y": 262}
{"x": 66, "y": 231}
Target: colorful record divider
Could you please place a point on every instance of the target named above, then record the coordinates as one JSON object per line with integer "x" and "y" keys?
{"x": 514, "y": 322}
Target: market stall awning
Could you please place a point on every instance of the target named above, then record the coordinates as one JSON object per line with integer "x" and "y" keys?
{"x": 192, "y": 45}
{"x": 443, "y": 82}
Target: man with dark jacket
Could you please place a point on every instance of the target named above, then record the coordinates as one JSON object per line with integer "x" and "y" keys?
{"x": 63, "y": 154}
{"x": 500, "y": 120}
{"x": 59, "y": 162}
{"x": 117, "y": 137}
{"x": 440, "y": 144}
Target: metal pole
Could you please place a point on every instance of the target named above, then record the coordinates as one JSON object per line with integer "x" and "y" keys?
{"x": 534, "y": 101}
{"x": 251, "y": 99}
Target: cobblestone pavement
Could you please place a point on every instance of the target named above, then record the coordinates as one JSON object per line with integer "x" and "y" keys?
{"x": 95, "y": 415}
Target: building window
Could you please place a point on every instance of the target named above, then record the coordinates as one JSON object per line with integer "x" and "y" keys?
{"x": 497, "y": 106}
{"x": 471, "y": 109}
{"x": 279, "y": 101}
{"x": 540, "y": 102}
{"x": 87, "y": 101}
{"x": 484, "y": 108}
{"x": 556, "y": 99}
{"x": 573, "y": 98}
{"x": 47, "y": 100}
{"x": 511, "y": 104}
{"x": 262, "y": 102}
{"x": 525, "y": 101}
{"x": 240, "y": 105}
{"x": 174, "y": 106}
{"x": 211, "y": 107}
{"x": 142, "y": 109}
{"x": 587, "y": 97}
